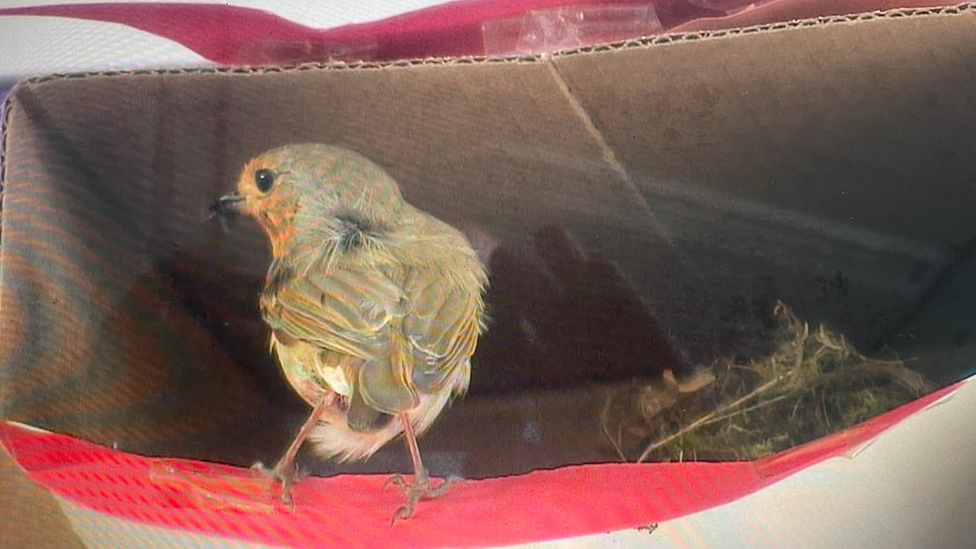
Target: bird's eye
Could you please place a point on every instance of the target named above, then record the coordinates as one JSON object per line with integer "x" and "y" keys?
{"x": 263, "y": 180}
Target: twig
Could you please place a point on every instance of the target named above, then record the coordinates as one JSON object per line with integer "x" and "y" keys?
{"x": 796, "y": 407}
{"x": 896, "y": 371}
{"x": 604, "y": 414}
{"x": 801, "y": 341}
{"x": 823, "y": 403}
{"x": 720, "y": 410}
{"x": 762, "y": 404}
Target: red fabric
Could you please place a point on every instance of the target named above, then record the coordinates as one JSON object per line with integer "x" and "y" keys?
{"x": 242, "y": 36}
{"x": 355, "y": 510}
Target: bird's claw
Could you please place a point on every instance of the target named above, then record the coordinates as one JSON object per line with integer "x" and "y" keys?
{"x": 283, "y": 476}
{"x": 398, "y": 481}
{"x": 419, "y": 490}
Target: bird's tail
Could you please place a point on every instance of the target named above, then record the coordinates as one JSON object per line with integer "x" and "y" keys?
{"x": 337, "y": 440}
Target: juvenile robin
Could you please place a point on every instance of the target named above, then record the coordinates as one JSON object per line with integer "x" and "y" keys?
{"x": 374, "y": 306}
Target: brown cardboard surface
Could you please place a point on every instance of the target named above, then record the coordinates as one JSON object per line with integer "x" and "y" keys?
{"x": 641, "y": 207}
{"x": 791, "y": 118}
{"x": 833, "y": 147}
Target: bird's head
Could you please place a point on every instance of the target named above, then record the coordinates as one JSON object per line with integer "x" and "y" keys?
{"x": 315, "y": 192}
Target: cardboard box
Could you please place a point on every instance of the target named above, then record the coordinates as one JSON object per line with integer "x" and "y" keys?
{"x": 639, "y": 204}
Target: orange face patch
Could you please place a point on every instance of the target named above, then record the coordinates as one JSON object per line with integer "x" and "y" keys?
{"x": 274, "y": 209}
{"x": 246, "y": 184}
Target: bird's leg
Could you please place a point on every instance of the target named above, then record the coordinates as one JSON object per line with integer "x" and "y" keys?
{"x": 420, "y": 488}
{"x": 284, "y": 471}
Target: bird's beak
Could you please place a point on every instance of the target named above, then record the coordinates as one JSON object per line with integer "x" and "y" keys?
{"x": 227, "y": 205}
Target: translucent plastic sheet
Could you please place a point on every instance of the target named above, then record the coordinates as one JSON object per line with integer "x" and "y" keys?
{"x": 727, "y": 6}
{"x": 567, "y": 27}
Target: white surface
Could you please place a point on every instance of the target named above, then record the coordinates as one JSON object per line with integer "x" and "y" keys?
{"x": 42, "y": 45}
{"x": 323, "y": 14}
{"x": 34, "y": 46}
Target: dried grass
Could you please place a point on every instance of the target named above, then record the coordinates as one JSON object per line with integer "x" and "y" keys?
{"x": 813, "y": 384}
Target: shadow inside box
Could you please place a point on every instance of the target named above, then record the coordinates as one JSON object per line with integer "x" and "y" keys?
{"x": 565, "y": 326}
{"x": 180, "y": 367}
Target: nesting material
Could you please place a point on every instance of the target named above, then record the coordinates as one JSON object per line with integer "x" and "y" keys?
{"x": 814, "y": 383}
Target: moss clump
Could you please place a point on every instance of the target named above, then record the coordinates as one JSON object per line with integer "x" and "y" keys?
{"x": 814, "y": 383}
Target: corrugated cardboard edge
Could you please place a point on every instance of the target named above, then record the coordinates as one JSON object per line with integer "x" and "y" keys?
{"x": 666, "y": 39}
{"x": 4, "y": 124}
{"x": 652, "y": 41}
{"x": 675, "y": 38}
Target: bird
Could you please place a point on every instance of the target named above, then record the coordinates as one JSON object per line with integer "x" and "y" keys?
{"x": 374, "y": 306}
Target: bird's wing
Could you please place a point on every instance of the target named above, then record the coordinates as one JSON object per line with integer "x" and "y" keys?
{"x": 409, "y": 337}
{"x": 347, "y": 310}
{"x": 442, "y": 324}
{"x": 351, "y": 311}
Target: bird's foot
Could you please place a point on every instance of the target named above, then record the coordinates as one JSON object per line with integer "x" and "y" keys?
{"x": 421, "y": 489}
{"x": 282, "y": 475}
